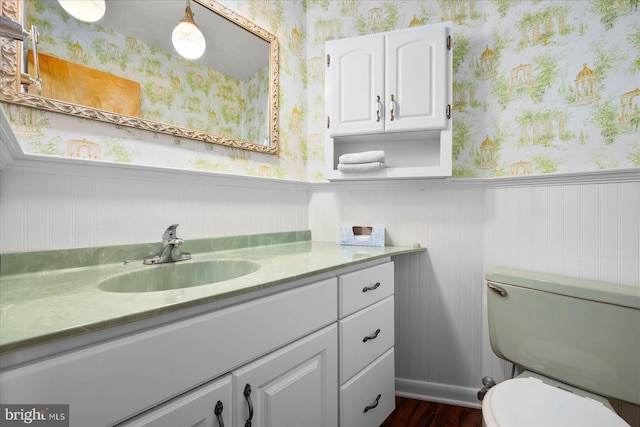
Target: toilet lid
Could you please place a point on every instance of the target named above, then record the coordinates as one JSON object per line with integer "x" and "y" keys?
{"x": 530, "y": 402}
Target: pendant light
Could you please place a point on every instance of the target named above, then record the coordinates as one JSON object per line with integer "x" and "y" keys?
{"x": 187, "y": 37}
{"x": 84, "y": 10}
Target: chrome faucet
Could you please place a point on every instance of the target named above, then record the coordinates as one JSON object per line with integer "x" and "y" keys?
{"x": 170, "y": 248}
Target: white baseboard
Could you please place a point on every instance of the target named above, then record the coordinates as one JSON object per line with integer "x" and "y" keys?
{"x": 435, "y": 392}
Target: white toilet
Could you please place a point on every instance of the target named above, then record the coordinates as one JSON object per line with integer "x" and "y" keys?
{"x": 578, "y": 341}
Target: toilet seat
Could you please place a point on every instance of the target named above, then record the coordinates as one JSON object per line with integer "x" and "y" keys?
{"x": 526, "y": 401}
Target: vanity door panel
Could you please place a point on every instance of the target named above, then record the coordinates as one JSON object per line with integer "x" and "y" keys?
{"x": 294, "y": 386}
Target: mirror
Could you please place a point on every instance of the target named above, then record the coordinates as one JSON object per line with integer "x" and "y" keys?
{"x": 229, "y": 96}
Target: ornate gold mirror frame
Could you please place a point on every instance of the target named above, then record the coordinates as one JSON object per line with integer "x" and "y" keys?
{"x": 10, "y": 92}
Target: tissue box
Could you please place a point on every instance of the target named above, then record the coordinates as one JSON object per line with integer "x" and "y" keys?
{"x": 359, "y": 235}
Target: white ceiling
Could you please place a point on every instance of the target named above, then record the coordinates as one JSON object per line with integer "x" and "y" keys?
{"x": 231, "y": 50}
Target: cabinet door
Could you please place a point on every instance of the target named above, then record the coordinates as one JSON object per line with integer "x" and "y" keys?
{"x": 416, "y": 79}
{"x": 294, "y": 386}
{"x": 355, "y": 82}
{"x": 206, "y": 406}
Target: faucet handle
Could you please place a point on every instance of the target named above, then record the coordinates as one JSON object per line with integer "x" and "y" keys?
{"x": 170, "y": 235}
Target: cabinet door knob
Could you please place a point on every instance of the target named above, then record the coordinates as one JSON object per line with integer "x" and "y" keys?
{"x": 218, "y": 412}
{"x": 247, "y": 396}
{"x": 378, "y": 108}
{"x": 368, "y": 407}
{"x": 371, "y": 288}
{"x": 392, "y": 108}
{"x": 371, "y": 337}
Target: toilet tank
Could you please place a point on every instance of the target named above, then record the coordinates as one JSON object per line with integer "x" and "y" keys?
{"x": 580, "y": 332}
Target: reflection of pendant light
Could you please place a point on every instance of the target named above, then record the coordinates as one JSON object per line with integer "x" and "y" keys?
{"x": 84, "y": 10}
{"x": 187, "y": 37}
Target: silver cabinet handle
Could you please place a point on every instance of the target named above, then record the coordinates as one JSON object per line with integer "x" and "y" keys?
{"x": 497, "y": 289}
{"x": 378, "y": 108}
{"x": 392, "y": 108}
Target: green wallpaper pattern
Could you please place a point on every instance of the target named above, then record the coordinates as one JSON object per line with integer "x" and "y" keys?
{"x": 539, "y": 87}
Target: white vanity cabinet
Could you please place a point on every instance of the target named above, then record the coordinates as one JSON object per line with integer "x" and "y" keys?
{"x": 114, "y": 380}
{"x": 317, "y": 352}
{"x": 366, "y": 337}
{"x": 391, "y": 91}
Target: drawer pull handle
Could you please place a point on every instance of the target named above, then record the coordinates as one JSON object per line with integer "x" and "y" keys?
{"x": 368, "y": 407}
{"x": 247, "y": 396}
{"x": 218, "y": 411}
{"x": 371, "y": 288}
{"x": 371, "y": 337}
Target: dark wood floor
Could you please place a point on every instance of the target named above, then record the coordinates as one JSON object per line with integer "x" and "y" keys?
{"x": 418, "y": 413}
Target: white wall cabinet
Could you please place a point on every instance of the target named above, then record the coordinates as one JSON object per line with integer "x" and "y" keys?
{"x": 391, "y": 91}
{"x": 285, "y": 347}
{"x": 388, "y": 82}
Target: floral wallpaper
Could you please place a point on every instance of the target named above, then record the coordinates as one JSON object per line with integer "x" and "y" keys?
{"x": 539, "y": 87}
{"x": 255, "y": 118}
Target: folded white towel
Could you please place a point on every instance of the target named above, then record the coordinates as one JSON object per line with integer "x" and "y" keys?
{"x": 360, "y": 167}
{"x": 364, "y": 157}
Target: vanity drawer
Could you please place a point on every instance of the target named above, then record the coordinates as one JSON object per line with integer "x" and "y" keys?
{"x": 360, "y": 341}
{"x": 362, "y": 391}
{"x": 364, "y": 287}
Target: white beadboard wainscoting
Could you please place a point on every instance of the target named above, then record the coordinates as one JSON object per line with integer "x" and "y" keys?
{"x": 438, "y": 292}
{"x": 65, "y": 204}
{"x": 585, "y": 225}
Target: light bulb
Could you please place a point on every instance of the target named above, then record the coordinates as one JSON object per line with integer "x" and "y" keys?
{"x": 84, "y": 10}
{"x": 188, "y": 40}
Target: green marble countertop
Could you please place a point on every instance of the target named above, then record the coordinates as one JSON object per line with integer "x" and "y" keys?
{"x": 43, "y": 301}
